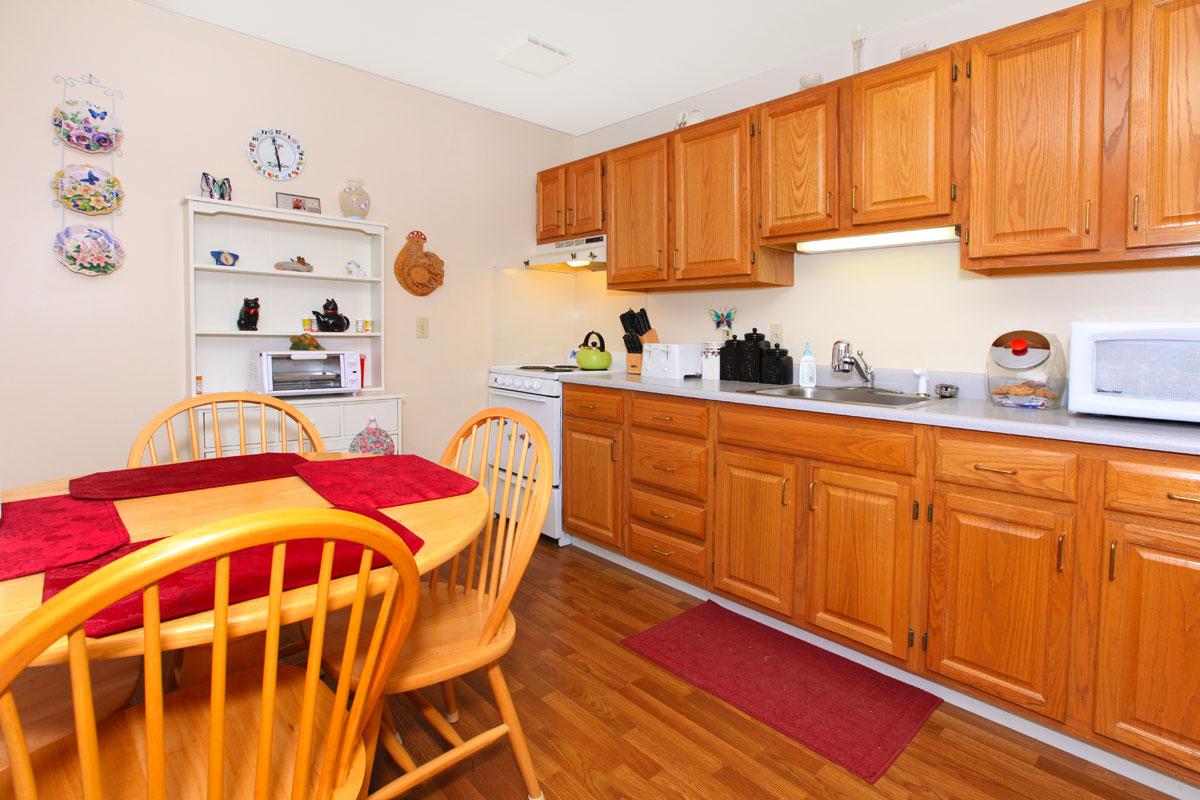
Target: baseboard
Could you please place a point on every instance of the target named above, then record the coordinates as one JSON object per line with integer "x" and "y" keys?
{"x": 1057, "y": 739}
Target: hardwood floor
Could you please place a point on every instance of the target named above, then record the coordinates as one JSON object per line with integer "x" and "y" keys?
{"x": 603, "y": 722}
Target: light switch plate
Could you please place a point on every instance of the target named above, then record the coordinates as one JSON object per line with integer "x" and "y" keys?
{"x": 422, "y": 327}
{"x": 777, "y": 333}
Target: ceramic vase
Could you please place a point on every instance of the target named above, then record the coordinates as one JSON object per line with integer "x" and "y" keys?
{"x": 354, "y": 200}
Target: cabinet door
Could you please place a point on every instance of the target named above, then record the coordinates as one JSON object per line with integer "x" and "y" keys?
{"x": 1164, "y": 123}
{"x": 755, "y": 536}
{"x": 999, "y": 599}
{"x": 637, "y": 212}
{"x": 1148, "y": 681}
{"x": 551, "y": 196}
{"x": 712, "y": 199}
{"x": 584, "y": 193}
{"x": 799, "y": 163}
{"x": 860, "y": 557}
{"x": 592, "y": 480}
{"x": 1036, "y": 137}
{"x": 902, "y": 136}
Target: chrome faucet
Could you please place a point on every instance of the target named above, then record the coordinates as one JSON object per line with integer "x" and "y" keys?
{"x": 843, "y": 361}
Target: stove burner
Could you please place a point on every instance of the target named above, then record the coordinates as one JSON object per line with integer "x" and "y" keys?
{"x": 555, "y": 368}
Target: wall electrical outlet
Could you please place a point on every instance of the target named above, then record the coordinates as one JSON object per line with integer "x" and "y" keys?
{"x": 777, "y": 333}
{"x": 422, "y": 327}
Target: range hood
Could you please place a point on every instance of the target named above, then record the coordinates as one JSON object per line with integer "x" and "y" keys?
{"x": 571, "y": 255}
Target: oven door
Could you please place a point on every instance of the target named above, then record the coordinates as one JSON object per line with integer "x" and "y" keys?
{"x": 309, "y": 372}
{"x": 545, "y": 411}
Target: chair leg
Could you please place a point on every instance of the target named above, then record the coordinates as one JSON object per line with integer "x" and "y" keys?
{"x": 371, "y": 739}
{"x": 451, "y": 701}
{"x": 516, "y": 736}
{"x": 391, "y": 739}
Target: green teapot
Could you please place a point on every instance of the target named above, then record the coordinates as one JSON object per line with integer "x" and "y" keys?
{"x": 593, "y": 356}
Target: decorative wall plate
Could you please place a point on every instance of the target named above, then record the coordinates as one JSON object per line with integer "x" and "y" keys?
{"x": 88, "y": 250}
{"x": 87, "y": 127}
{"x": 87, "y": 189}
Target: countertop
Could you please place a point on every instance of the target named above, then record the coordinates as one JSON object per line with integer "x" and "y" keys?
{"x": 964, "y": 413}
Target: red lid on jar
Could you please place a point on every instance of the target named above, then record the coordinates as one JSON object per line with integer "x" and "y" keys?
{"x": 1019, "y": 347}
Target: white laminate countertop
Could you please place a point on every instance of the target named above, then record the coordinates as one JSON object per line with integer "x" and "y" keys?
{"x": 964, "y": 413}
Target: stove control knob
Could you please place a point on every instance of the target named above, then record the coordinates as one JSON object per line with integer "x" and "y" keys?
{"x": 526, "y": 384}
{"x": 535, "y": 384}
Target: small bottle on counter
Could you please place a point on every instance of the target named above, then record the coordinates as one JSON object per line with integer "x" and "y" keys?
{"x": 199, "y": 384}
{"x": 808, "y": 367}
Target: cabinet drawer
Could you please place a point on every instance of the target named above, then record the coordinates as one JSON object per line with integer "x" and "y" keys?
{"x": 601, "y": 404}
{"x": 662, "y": 548}
{"x": 687, "y": 418}
{"x": 667, "y": 512}
{"x": 1158, "y": 490}
{"x": 677, "y": 465}
{"x": 385, "y": 412}
{"x": 1009, "y": 467}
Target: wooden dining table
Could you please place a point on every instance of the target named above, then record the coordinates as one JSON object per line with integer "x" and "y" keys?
{"x": 446, "y": 525}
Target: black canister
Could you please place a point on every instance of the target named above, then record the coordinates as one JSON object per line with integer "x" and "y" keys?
{"x": 776, "y": 366}
{"x": 750, "y": 356}
{"x": 729, "y": 359}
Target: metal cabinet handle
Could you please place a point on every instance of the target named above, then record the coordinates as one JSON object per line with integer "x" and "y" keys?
{"x": 812, "y": 496}
{"x": 783, "y": 492}
{"x": 1061, "y": 540}
{"x": 570, "y": 216}
{"x": 662, "y": 418}
{"x": 675, "y": 263}
{"x": 663, "y": 553}
{"x": 1087, "y": 216}
{"x": 1112, "y": 561}
{"x": 1136, "y": 202}
{"x": 999, "y": 470}
{"x": 612, "y": 449}
{"x": 660, "y": 515}
{"x": 558, "y": 216}
{"x": 829, "y": 204}
{"x": 854, "y": 198}
{"x": 661, "y": 468}
{"x": 657, "y": 258}
{"x": 1183, "y": 498}
{"x": 588, "y": 406}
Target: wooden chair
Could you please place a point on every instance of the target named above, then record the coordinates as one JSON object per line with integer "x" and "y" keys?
{"x": 463, "y": 622}
{"x": 272, "y": 732}
{"x": 229, "y": 402}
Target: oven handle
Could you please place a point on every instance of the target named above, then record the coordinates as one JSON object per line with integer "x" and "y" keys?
{"x": 535, "y": 398}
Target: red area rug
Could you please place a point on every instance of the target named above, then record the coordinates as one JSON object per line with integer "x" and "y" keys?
{"x": 844, "y": 711}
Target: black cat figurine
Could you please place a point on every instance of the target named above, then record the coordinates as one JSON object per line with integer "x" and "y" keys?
{"x": 248, "y": 316}
{"x": 331, "y": 321}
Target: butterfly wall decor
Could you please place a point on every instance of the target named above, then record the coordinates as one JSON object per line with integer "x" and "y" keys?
{"x": 723, "y": 319}
{"x": 215, "y": 189}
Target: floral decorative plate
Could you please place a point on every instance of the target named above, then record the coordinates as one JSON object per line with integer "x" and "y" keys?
{"x": 88, "y": 250}
{"x": 87, "y": 189}
{"x": 87, "y": 127}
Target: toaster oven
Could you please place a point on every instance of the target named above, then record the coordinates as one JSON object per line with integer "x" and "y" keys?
{"x": 1136, "y": 369}
{"x": 286, "y": 373}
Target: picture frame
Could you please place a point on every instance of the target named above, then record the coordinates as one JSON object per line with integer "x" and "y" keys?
{"x": 298, "y": 202}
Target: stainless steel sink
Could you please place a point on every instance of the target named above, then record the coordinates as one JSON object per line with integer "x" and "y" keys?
{"x": 860, "y": 395}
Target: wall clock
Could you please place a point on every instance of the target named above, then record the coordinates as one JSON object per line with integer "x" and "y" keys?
{"x": 276, "y": 154}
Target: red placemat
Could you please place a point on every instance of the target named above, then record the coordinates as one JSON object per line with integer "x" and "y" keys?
{"x": 185, "y": 476}
{"x": 190, "y": 590}
{"x": 36, "y": 535}
{"x": 382, "y": 481}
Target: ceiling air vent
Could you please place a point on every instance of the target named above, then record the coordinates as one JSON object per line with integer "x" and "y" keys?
{"x": 537, "y": 58}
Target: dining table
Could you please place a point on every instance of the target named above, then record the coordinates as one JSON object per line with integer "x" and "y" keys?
{"x": 447, "y": 526}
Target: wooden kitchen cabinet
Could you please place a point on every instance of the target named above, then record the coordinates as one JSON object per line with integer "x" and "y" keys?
{"x": 551, "y": 204}
{"x": 799, "y": 174}
{"x": 900, "y": 160}
{"x": 591, "y": 463}
{"x": 1036, "y": 136}
{"x": 1148, "y": 681}
{"x": 638, "y": 213}
{"x": 860, "y": 529}
{"x": 584, "y": 196}
{"x": 1164, "y": 123}
{"x": 1000, "y": 598}
{"x": 754, "y": 536}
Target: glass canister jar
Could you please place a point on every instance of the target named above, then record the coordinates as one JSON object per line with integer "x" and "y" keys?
{"x": 354, "y": 200}
{"x": 1027, "y": 369}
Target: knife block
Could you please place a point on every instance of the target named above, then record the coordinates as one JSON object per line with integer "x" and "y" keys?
{"x": 633, "y": 361}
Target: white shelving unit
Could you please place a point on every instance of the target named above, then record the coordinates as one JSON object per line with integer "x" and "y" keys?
{"x": 261, "y": 236}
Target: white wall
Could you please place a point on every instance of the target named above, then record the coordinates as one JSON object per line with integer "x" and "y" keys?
{"x": 905, "y": 307}
{"x": 91, "y": 359}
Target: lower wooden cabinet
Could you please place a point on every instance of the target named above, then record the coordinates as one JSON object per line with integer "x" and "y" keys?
{"x": 592, "y": 480}
{"x": 860, "y": 533}
{"x": 754, "y": 536}
{"x": 1148, "y": 681}
{"x": 1000, "y": 599}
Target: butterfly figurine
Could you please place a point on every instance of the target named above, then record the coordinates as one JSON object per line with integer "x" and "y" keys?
{"x": 215, "y": 189}
{"x": 723, "y": 318}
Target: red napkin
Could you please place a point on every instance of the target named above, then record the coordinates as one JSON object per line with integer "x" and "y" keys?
{"x": 382, "y": 481}
{"x": 36, "y": 535}
{"x": 190, "y": 590}
{"x": 185, "y": 476}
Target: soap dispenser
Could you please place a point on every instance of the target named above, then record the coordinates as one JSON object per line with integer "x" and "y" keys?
{"x": 808, "y": 367}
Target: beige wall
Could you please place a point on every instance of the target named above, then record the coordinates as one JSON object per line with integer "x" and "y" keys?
{"x": 94, "y": 358}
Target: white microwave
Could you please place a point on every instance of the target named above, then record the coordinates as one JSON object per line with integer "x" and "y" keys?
{"x": 1136, "y": 369}
{"x": 285, "y": 373}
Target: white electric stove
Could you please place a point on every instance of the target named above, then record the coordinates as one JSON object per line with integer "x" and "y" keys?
{"x": 535, "y": 390}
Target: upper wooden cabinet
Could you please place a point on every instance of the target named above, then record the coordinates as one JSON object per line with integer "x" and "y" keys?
{"x": 1036, "y": 136}
{"x": 900, "y": 158}
{"x": 551, "y": 203}
{"x": 799, "y": 174}
{"x": 713, "y": 226}
{"x": 637, "y": 212}
{"x": 1164, "y": 123}
{"x": 584, "y": 196}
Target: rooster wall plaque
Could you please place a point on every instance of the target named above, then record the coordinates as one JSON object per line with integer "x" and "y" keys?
{"x": 418, "y": 271}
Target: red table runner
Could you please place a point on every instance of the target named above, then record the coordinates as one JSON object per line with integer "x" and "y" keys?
{"x": 190, "y": 590}
{"x": 36, "y": 535}
{"x": 185, "y": 476}
{"x": 382, "y": 481}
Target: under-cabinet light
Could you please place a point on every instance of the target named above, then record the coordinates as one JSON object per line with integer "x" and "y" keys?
{"x": 872, "y": 241}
